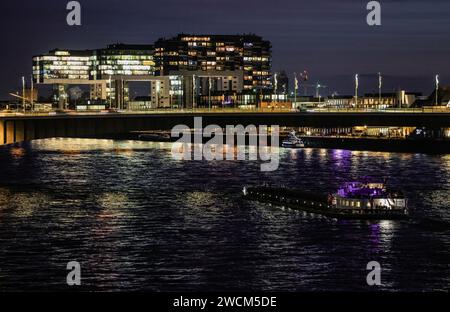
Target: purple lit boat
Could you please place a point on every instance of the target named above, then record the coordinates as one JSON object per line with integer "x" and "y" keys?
{"x": 353, "y": 200}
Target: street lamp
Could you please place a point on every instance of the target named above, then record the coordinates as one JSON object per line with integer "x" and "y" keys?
{"x": 276, "y": 86}
{"x": 181, "y": 93}
{"x": 318, "y": 86}
{"x": 23, "y": 93}
{"x": 437, "y": 89}
{"x": 209, "y": 91}
{"x": 110, "y": 92}
{"x": 194, "y": 87}
{"x": 32, "y": 93}
{"x": 296, "y": 88}
{"x": 158, "y": 89}
{"x": 380, "y": 85}
{"x": 356, "y": 89}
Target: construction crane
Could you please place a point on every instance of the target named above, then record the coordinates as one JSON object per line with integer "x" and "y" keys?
{"x": 24, "y": 99}
{"x": 304, "y": 77}
{"x": 317, "y": 86}
{"x": 19, "y": 97}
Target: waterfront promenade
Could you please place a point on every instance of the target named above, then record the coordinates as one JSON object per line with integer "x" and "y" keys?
{"x": 433, "y": 110}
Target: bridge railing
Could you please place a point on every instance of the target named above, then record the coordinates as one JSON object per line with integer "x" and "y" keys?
{"x": 231, "y": 110}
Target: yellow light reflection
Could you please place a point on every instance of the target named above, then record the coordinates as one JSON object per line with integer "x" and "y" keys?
{"x": 17, "y": 152}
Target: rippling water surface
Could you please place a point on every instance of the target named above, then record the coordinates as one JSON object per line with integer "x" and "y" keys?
{"x": 137, "y": 220}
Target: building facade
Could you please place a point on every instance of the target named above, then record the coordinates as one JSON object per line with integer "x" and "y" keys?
{"x": 105, "y": 70}
{"x": 185, "y": 71}
{"x": 123, "y": 60}
{"x": 400, "y": 99}
{"x": 62, "y": 65}
{"x": 248, "y": 54}
{"x": 115, "y": 60}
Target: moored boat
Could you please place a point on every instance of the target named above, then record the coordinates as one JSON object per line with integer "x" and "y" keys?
{"x": 154, "y": 137}
{"x": 292, "y": 141}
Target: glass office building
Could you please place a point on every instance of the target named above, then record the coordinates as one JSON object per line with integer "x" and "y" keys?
{"x": 115, "y": 60}
{"x": 124, "y": 60}
{"x": 198, "y": 71}
{"x": 249, "y": 54}
{"x": 58, "y": 64}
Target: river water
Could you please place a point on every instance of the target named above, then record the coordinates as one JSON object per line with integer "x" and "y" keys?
{"x": 135, "y": 219}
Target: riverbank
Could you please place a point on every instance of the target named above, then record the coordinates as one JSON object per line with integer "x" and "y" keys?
{"x": 424, "y": 146}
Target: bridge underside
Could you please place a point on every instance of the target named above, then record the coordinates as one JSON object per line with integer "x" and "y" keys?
{"x": 19, "y": 129}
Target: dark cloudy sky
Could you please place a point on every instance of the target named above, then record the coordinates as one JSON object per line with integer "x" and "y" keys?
{"x": 329, "y": 38}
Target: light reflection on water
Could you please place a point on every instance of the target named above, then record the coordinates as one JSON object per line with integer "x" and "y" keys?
{"x": 138, "y": 220}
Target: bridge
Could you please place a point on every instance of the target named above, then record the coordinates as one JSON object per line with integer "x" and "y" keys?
{"x": 19, "y": 128}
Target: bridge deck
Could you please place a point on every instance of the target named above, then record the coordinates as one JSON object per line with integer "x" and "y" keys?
{"x": 16, "y": 128}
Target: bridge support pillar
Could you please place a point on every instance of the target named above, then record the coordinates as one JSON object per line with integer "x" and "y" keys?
{"x": 19, "y": 131}
{"x": 30, "y": 133}
{"x": 10, "y": 137}
{"x": 2, "y": 132}
{"x": 60, "y": 129}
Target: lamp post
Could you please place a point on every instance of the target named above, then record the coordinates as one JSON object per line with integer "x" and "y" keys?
{"x": 23, "y": 93}
{"x": 193, "y": 91}
{"x": 380, "y": 85}
{"x": 181, "y": 93}
{"x": 356, "y": 89}
{"x": 276, "y": 86}
{"x": 318, "y": 86}
{"x": 32, "y": 93}
{"x": 110, "y": 92}
{"x": 295, "y": 88}
{"x": 437, "y": 89}
{"x": 209, "y": 91}
{"x": 158, "y": 89}
{"x": 122, "y": 94}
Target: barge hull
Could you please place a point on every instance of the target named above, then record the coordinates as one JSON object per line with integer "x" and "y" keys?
{"x": 314, "y": 205}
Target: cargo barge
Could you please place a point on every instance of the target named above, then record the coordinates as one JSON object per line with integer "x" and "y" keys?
{"x": 353, "y": 200}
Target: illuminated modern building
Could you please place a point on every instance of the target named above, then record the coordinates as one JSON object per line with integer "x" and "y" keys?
{"x": 400, "y": 99}
{"x": 62, "y": 68}
{"x": 115, "y": 60}
{"x": 224, "y": 65}
{"x": 123, "y": 60}
{"x": 185, "y": 71}
{"x": 59, "y": 65}
{"x": 107, "y": 71}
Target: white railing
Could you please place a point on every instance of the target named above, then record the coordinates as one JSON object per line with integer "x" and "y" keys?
{"x": 428, "y": 110}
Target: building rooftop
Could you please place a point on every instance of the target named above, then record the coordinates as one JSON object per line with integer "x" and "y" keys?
{"x": 111, "y": 47}
{"x": 123, "y": 46}
{"x": 216, "y": 37}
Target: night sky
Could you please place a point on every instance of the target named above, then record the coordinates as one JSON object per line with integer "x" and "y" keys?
{"x": 329, "y": 38}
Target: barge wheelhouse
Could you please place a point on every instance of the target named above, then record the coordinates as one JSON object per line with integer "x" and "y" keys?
{"x": 369, "y": 198}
